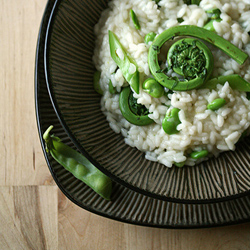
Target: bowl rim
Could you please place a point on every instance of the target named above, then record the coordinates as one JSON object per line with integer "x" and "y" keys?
{"x": 49, "y": 30}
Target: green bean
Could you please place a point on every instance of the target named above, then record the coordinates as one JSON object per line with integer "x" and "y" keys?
{"x": 124, "y": 62}
{"x": 135, "y": 19}
{"x": 235, "y": 81}
{"x": 153, "y": 88}
{"x": 199, "y": 154}
{"x": 132, "y": 111}
{"x": 171, "y": 121}
{"x": 149, "y": 37}
{"x": 78, "y": 165}
{"x": 216, "y": 104}
{"x": 96, "y": 82}
{"x": 194, "y": 31}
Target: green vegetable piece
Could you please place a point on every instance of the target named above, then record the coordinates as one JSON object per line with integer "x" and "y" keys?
{"x": 157, "y": 1}
{"x": 179, "y": 164}
{"x": 194, "y": 31}
{"x": 235, "y": 81}
{"x": 180, "y": 20}
{"x": 171, "y": 121}
{"x": 152, "y": 87}
{"x": 216, "y": 104}
{"x": 112, "y": 89}
{"x": 188, "y": 2}
{"x": 96, "y": 82}
{"x": 149, "y": 37}
{"x": 213, "y": 14}
{"x": 133, "y": 112}
{"x": 124, "y": 62}
{"x": 210, "y": 24}
{"x": 199, "y": 154}
{"x": 78, "y": 165}
{"x": 191, "y": 58}
{"x": 135, "y": 19}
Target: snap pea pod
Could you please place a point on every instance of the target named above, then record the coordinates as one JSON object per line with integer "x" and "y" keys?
{"x": 78, "y": 165}
{"x": 235, "y": 81}
{"x": 197, "y": 32}
{"x": 125, "y": 63}
{"x": 134, "y": 113}
{"x": 135, "y": 19}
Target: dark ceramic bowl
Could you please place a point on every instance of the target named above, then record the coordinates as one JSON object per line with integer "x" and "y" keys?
{"x": 69, "y": 72}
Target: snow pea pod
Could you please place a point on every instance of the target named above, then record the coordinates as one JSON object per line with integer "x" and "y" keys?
{"x": 197, "y": 32}
{"x": 133, "y": 112}
{"x": 125, "y": 63}
{"x": 78, "y": 165}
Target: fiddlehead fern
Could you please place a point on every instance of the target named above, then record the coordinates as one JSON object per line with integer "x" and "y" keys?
{"x": 195, "y": 70}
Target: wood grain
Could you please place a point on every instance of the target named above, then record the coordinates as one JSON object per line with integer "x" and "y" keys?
{"x": 33, "y": 213}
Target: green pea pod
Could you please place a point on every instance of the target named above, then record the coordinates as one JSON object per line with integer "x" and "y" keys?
{"x": 235, "y": 81}
{"x": 78, "y": 165}
{"x": 136, "y": 114}
{"x": 135, "y": 19}
{"x": 171, "y": 121}
{"x": 124, "y": 62}
{"x": 216, "y": 104}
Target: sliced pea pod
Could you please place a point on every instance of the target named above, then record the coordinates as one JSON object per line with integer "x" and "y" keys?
{"x": 135, "y": 19}
{"x": 125, "y": 63}
{"x": 235, "y": 81}
{"x": 78, "y": 165}
{"x": 96, "y": 81}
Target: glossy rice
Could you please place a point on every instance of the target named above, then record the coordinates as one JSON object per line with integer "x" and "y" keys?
{"x": 200, "y": 128}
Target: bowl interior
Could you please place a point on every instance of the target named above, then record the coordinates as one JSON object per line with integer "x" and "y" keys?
{"x": 69, "y": 70}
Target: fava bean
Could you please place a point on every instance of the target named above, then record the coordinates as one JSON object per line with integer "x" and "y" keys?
{"x": 171, "y": 121}
{"x": 216, "y": 104}
{"x": 199, "y": 154}
{"x": 179, "y": 164}
{"x": 78, "y": 165}
{"x": 152, "y": 87}
{"x": 149, "y": 37}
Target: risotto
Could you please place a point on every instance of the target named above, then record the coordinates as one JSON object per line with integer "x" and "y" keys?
{"x": 200, "y": 127}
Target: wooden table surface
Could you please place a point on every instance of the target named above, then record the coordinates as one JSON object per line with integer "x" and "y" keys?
{"x": 34, "y": 214}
